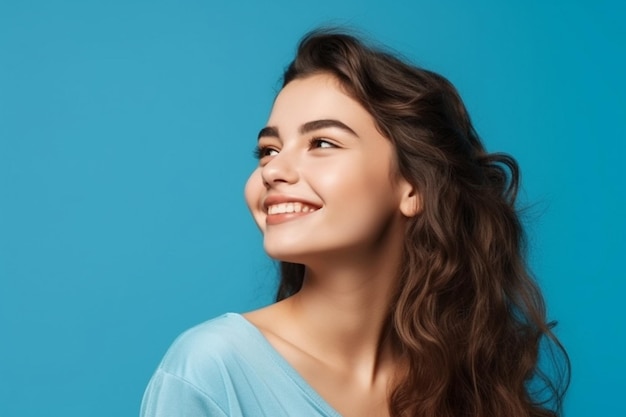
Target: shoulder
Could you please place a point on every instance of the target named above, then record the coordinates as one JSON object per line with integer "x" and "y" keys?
{"x": 196, "y": 370}
{"x": 207, "y": 349}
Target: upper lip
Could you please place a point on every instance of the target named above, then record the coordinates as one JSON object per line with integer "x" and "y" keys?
{"x": 270, "y": 200}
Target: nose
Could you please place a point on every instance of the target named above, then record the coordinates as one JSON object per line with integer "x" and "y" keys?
{"x": 282, "y": 168}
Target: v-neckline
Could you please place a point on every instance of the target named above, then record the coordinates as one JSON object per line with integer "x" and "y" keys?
{"x": 286, "y": 367}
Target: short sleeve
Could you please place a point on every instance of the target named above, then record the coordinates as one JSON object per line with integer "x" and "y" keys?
{"x": 168, "y": 395}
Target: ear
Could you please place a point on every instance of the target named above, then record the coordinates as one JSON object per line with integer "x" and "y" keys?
{"x": 410, "y": 200}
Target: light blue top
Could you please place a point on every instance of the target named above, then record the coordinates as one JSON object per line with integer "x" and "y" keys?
{"x": 226, "y": 367}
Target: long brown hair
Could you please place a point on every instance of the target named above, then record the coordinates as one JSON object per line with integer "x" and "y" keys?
{"x": 467, "y": 316}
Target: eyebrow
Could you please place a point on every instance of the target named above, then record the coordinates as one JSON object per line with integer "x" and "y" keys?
{"x": 308, "y": 127}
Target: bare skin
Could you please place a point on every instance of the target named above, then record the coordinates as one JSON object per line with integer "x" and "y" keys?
{"x": 332, "y": 330}
{"x": 331, "y": 333}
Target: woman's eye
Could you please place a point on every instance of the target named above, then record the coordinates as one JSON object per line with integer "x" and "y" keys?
{"x": 321, "y": 143}
{"x": 261, "y": 152}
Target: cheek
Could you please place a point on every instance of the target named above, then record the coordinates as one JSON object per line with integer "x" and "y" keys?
{"x": 253, "y": 192}
{"x": 355, "y": 183}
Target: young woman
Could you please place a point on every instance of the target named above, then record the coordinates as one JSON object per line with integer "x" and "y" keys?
{"x": 403, "y": 289}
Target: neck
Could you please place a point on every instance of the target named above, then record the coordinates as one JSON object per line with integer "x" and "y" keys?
{"x": 342, "y": 311}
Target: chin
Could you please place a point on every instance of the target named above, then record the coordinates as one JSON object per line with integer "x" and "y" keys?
{"x": 289, "y": 253}
{"x": 283, "y": 255}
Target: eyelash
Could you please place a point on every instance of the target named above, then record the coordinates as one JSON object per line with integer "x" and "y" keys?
{"x": 317, "y": 141}
{"x": 261, "y": 151}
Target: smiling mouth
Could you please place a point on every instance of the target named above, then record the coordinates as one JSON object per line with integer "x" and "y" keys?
{"x": 287, "y": 208}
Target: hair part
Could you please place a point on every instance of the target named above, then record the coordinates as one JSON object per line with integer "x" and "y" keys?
{"x": 467, "y": 316}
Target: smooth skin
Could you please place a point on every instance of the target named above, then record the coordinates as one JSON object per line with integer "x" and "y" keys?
{"x": 321, "y": 148}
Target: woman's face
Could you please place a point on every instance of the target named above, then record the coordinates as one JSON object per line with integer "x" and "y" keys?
{"x": 325, "y": 184}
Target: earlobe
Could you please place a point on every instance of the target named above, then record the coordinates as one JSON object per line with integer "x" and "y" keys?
{"x": 411, "y": 203}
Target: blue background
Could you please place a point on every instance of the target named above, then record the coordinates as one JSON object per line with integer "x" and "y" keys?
{"x": 126, "y": 136}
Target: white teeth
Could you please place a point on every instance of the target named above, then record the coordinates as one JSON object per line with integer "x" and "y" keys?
{"x": 289, "y": 208}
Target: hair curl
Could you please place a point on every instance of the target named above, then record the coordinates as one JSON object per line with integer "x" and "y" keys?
{"x": 467, "y": 316}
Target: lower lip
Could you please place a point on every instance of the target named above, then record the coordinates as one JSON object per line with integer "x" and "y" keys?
{"x": 273, "y": 219}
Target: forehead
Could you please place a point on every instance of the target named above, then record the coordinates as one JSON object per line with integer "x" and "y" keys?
{"x": 318, "y": 97}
